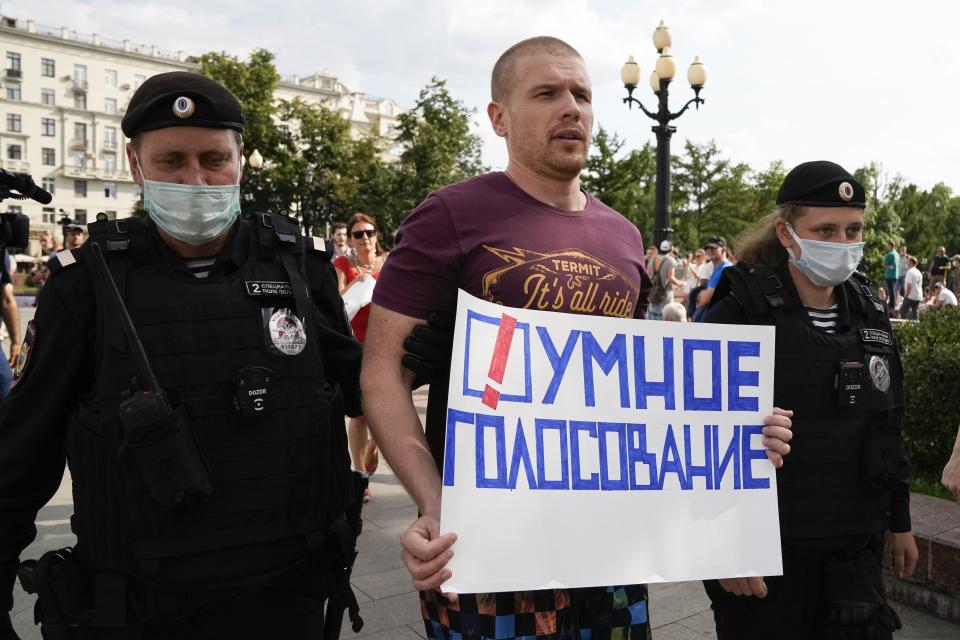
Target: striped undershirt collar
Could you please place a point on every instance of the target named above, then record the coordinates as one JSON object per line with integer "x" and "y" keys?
{"x": 826, "y": 320}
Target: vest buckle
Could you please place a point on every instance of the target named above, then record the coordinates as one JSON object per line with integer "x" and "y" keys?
{"x": 265, "y": 220}
{"x": 121, "y": 226}
{"x": 770, "y": 291}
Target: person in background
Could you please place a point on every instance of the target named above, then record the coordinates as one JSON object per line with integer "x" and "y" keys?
{"x": 674, "y": 312}
{"x": 912, "y": 290}
{"x": 716, "y": 252}
{"x": 338, "y": 235}
{"x": 901, "y": 269}
{"x": 942, "y": 296}
{"x": 939, "y": 266}
{"x": 665, "y": 281}
{"x": 11, "y": 320}
{"x": 891, "y": 273}
{"x": 364, "y": 261}
{"x": 838, "y": 365}
{"x": 76, "y": 235}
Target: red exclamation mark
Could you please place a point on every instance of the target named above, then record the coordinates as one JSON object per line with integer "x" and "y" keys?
{"x": 498, "y": 363}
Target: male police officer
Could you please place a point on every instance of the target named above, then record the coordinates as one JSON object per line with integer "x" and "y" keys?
{"x": 209, "y": 481}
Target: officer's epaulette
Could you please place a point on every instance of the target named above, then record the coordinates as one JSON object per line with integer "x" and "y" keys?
{"x": 63, "y": 259}
{"x": 317, "y": 245}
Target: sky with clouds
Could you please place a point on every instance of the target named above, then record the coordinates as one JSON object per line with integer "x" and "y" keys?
{"x": 852, "y": 81}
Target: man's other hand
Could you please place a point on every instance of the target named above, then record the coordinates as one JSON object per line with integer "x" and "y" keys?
{"x": 426, "y": 554}
{"x": 777, "y": 434}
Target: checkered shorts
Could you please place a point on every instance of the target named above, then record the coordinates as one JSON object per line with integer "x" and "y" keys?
{"x": 601, "y": 613}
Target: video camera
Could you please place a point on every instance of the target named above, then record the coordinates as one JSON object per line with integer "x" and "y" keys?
{"x": 15, "y": 227}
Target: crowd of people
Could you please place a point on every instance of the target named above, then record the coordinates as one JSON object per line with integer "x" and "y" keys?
{"x": 194, "y": 369}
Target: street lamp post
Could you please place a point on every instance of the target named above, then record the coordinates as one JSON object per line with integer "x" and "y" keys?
{"x": 660, "y": 80}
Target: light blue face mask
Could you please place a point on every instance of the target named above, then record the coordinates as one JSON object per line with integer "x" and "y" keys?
{"x": 826, "y": 264}
{"x": 191, "y": 213}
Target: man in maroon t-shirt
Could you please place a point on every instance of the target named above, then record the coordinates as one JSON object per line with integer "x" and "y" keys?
{"x": 528, "y": 237}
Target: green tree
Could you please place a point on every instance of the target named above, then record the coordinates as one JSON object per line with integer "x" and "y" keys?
{"x": 253, "y": 82}
{"x": 438, "y": 149}
{"x": 882, "y": 222}
{"x": 624, "y": 182}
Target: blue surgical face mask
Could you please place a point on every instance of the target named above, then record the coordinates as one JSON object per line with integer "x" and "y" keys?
{"x": 826, "y": 264}
{"x": 195, "y": 214}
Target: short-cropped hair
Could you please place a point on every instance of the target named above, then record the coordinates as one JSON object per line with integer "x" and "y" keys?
{"x": 501, "y": 81}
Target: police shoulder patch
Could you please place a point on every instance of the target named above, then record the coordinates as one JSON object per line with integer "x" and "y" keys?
{"x": 23, "y": 359}
{"x": 63, "y": 259}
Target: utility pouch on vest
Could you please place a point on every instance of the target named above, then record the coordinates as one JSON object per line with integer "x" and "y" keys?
{"x": 158, "y": 436}
{"x": 849, "y": 383}
{"x": 165, "y": 449}
{"x": 856, "y": 606}
{"x": 64, "y": 607}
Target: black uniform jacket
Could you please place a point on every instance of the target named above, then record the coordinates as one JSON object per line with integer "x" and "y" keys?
{"x": 61, "y": 366}
{"x": 726, "y": 309}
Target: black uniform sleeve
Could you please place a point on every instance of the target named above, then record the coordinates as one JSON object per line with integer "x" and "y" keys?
{"x": 34, "y": 416}
{"x": 726, "y": 310}
{"x": 340, "y": 351}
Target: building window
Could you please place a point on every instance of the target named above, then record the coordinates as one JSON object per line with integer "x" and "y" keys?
{"x": 14, "y": 152}
{"x": 49, "y": 185}
{"x": 110, "y": 137}
{"x": 109, "y": 162}
{"x": 80, "y": 188}
{"x": 80, "y": 101}
{"x": 49, "y": 156}
{"x": 14, "y": 208}
{"x": 13, "y": 92}
{"x": 80, "y": 73}
{"x": 48, "y": 127}
{"x": 13, "y": 122}
{"x": 80, "y": 130}
{"x": 79, "y": 160}
{"x": 110, "y": 190}
{"x": 49, "y": 215}
{"x": 80, "y": 216}
{"x": 48, "y": 68}
{"x": 13, "y": 61}
{"x": 110, "y": 106}
{"x": 138, "y": 80}
{"x": 48, "y": 97}
{"x": 111, "y": 215}
{"x": 110, "y": 77}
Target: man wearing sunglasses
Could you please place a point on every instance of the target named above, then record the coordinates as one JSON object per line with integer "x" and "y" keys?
{"x": 517, "y": 238}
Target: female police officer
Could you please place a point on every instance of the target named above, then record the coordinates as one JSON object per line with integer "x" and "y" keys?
{"x": 838, "y": 366}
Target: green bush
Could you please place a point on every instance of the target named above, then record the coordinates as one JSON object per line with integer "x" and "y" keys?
{"x": 931, "y": 362}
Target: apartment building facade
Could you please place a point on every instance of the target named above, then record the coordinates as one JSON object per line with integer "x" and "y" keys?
{"x": 63, "y": 95}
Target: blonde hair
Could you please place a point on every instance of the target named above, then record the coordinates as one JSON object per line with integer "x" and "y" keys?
{"x": 674, "y": 312}
{"x": 759, "y": 244}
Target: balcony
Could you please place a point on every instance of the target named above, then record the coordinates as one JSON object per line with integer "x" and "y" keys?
{"x": 14, "y": 74}
{"x": 109, "y": 145}
{"x": 79, "y": 144}
{"x": 16, "y": 166}
{"x": 79, "y": 85}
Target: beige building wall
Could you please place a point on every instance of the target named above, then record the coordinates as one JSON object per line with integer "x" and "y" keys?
{"x": 63, "y": 94}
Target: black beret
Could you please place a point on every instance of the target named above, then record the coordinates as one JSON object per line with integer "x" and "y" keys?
{"x": 178, "y": 99}
{"x": 821, "y": 184}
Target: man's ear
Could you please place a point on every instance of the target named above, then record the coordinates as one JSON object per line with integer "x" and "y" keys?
{"x": 783, "y": 235}
{"x": 133, "y": 161}
{"x": 498, "y": 117}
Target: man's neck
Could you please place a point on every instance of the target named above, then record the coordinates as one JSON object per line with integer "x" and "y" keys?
{"x": 719, "y": 260}
{"x": 559, "y": 193}
{"x": 810, "y": 294}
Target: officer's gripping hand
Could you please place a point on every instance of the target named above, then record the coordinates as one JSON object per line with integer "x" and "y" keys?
{"x": 6, "y": 628}
{"x": 429, "y": 347}
{"x": 426, "y": 553}
{"x": 754, "y": 586}
{"x": 777, "y": 434}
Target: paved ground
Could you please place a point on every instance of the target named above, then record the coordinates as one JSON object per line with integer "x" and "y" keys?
{"x": 679, "y": 611}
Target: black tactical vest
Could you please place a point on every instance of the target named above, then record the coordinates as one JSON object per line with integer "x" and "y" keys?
{"x": 846, "y": 393}
{"x": 280, "y": 477}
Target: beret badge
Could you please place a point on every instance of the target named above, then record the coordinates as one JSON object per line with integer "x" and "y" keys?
{"x": 846, "y": 191}
{"x": 183, "y": 107}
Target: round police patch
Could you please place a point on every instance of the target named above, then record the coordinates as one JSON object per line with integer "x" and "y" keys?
{"x": 845, "y": 190}
{"x": 183, "y": 107}
{"x": 286, "y": 332}
{"x": 879, "y": 373}
{"x": 23, "y": 359}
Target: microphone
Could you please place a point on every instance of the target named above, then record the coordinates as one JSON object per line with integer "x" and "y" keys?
{"x": 24, "y": 185}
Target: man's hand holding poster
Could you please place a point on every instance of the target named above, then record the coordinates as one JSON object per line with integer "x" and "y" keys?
{"x": 584, "y": 451}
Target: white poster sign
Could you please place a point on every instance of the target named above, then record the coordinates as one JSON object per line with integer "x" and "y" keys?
{"x": 588, "y": 451}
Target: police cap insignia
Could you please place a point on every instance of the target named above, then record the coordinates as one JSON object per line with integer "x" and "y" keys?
{"x": 821, "y": 184}
{"x": 183, "y": 107}
{"x": 181, "y": 98}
